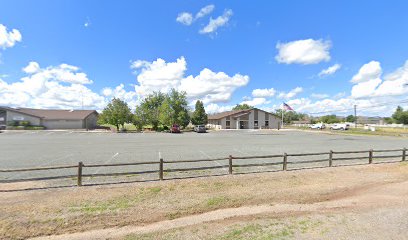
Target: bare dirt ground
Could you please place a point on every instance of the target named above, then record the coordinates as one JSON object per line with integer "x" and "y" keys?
{"x": 359, "y": 202}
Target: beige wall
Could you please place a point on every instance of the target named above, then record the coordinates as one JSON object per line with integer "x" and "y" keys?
{"x": 262, "y": 117}
{"x": 91, "y": 121}
{"x": 63, "y": 124}
{"x": 23, "y": 117}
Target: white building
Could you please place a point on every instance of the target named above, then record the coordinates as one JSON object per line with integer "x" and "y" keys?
{"x": 244, "y": 119}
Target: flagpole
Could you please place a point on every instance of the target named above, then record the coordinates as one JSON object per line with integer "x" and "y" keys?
{"x": 282, "y": 114}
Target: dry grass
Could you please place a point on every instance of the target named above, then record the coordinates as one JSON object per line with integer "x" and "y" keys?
{"x": 45, "y": 212}
{"x": 393, "y": 132}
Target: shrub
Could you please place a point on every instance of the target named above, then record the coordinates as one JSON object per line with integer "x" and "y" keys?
{"x": 24, "y": 123}
{"x": 12, "y": 123}
{"x": 15, "y": 128}
{"x": 34, "y": 127}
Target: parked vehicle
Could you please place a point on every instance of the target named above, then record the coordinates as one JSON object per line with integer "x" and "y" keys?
{"x": 200, "y": 129}
{"x": 339, "y": 126}
{"x": 175, "y": 128}
{"x": 318, "y": 126}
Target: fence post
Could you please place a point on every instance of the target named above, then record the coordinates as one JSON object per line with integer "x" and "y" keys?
{"x": 230, "y": 164}
{"x": 161, "y": 169}
{"x": 331, "y": 158}
{"x": 79, "y": 178}
{"x": 370, "y": 156}
{"x": 285, "y": 161}
{"x": 404, "y": 153}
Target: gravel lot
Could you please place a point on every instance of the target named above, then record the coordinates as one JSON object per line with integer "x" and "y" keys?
{"x": 48, "y": 148}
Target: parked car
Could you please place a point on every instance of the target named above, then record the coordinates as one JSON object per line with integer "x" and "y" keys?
{"x": 175, "y": 128}
{"x": 200, "y": 129}
{"x": 318, "y": 126}
{"x": 339, "y": 126}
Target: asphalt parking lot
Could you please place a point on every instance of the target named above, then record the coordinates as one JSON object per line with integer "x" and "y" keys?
{"x": 49, "y": 148}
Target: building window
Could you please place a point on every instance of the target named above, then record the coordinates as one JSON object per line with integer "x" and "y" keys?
{"x": 227, "y": 123}
{"x": 256, "y": 123}
{"x": 266, "y": 123}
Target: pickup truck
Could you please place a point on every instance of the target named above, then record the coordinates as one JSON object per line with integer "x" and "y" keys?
{"x": 318, "y": 126}
{"x": 339, "y": 126}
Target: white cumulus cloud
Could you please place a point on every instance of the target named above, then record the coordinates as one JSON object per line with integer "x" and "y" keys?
{"x": 264, "y": 92}
{"x": 185, "y": 18}
{"x": 209, "y": 86}
{"x": 256, "y": 101}
{"x": 9, "y": 38}
{"x": 218, "y": 22}
{"x": 368, "y": 72}
{"x": 57, "y": 87}
{"x": 308, "y": 51}
{"x": 330, "y": 70}
{"x": 373, "y": 94}
{"x": 292, "y": 93}
{"x": 205, "y": 11}
{"x": 32, "y": 67}
{"x": 369, "y": 82}
{"x": 215, "y": 108}
{"x": 130, "y": 97}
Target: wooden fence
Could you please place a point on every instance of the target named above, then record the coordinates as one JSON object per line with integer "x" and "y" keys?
{"x": 232, "y": 160}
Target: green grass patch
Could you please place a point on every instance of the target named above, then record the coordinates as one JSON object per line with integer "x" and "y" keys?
{"x": 217, "y": 201}
{"x": 117, "y": 204}
{"x": 271, "y": 230}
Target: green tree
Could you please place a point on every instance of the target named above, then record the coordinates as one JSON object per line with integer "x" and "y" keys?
{"x": 150, "y": 108}
{"x": 242, "y": 107}
{"x": 350, "y": 118}
{"x": 388, "y": 120}
{"x": 199, "y": 116}
{"x": 329, "y": 119}
{"x": 400, "y": 116}
{"x": 116, "y": 113}
{"x": 179, "y": 106}
{"x": 290, "y": 116}
{"x": 166, "y": 115}
{"x": 138, "y": 118}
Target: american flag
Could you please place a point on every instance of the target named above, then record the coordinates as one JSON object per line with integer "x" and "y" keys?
{"x": 287, "y": 107}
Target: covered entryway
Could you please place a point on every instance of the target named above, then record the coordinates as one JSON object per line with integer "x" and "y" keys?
{"x": 242, "y": 120}
{"x": 3, "y": 115}
{"x": 243, "y": 124}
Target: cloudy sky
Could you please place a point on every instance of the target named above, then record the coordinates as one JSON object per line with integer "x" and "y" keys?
{"x": 320, "y": 57}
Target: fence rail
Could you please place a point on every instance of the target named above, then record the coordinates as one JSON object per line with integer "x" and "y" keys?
{"x": 230, "y": 164}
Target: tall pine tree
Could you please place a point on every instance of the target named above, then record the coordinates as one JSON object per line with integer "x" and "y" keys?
{"x": 199, "y": 115}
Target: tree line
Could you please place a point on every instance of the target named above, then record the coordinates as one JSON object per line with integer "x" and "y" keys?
{"x": 157, "y": 110}
{"x": 160, "y": 111}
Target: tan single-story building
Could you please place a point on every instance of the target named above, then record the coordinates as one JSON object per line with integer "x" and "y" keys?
{"x": 253, "y": 118}
{"x": 49, "y": 118}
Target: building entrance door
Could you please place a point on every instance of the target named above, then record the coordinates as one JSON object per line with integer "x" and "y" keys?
{"x": 2, "y": 118}
{"x": 243, "y": 124}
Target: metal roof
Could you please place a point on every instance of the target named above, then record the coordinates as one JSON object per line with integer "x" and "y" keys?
{"x": 233, "y": 113}
{"x": 53, "y": 114}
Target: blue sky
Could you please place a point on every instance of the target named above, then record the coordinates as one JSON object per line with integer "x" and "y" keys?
{"x": 74, "y": 54}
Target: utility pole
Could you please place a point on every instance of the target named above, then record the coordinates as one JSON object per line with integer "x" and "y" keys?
{"x": 282, "y": 118}
{"x": 355, "y": 116}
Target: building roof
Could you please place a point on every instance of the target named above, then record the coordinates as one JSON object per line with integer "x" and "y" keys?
{"x": 218, "y": 116}
{"x": 226, "y": 114}
{"x": 52, "y": 114}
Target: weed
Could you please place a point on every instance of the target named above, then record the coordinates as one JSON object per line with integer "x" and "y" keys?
{"x": 216, "y": 201}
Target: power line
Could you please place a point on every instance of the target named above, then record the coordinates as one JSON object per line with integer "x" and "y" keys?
{"x": 362, "y": 108}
